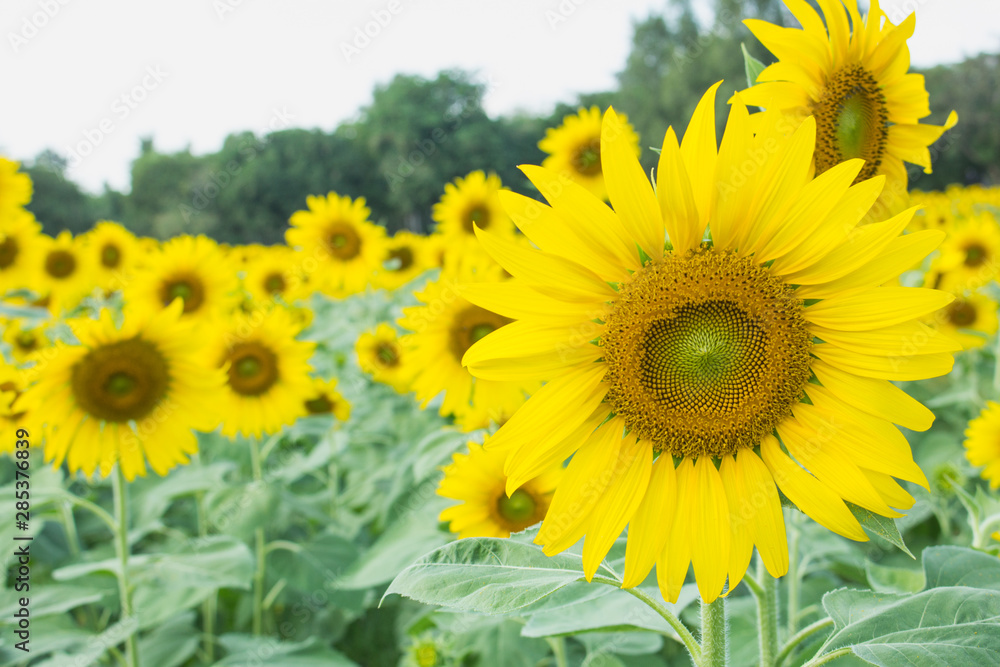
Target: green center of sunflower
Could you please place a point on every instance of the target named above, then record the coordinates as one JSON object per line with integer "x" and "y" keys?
{"x": 320, "y": 405}
{"x": 8, "y": 251}
{"x": 470, "y": 326}
{"x": 343, "y": 242}
{"x": 387, "y": 354}
{"x": 961, "y": 314}
{"x": 253, "y": 368}
{"x": 274, "y": 283}
{"x": 188, "y": 288}
{"x": 520, "y": 507}
{"x": 587, "y": 159}
{"x": 706, "y": 353}
{"x": 975, "y": 255}
{"x": 26, "y": 340}
{"x": 110, "y": 256}
{"x": 399, "y": 258}
{"x": 852, "y": 121}
{"x": 121, "y": 381}
{"x": 60, "y": 264}
{"x": 478, "y": 214}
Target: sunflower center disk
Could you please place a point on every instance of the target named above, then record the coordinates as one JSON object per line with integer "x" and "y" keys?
{"x": 121, "y": 381}
{"x": 110, "y": 256}
{"x": 400, "y": 259}
{"x": 961, "y": 313}
{"x": 975, "y": 255}
{"x": 60, "y": 264}
{"x": 852, "y": 121}
{"x": 519, "y": 511}
{"x": 587, "y": 160}
{"x": 253, "y": 369}
{"x": 386, "y": 354}
{"x": 274, "y": 283}
{"x": 343, "y": 242}
{"x": 320, "y": 405}
{"x": 706, "y": 353}
{"x": 8, "y": 252}
{"x": 188, "y": 289}
{"x": 478, "y": 215}
{"x": 470, "y": 326}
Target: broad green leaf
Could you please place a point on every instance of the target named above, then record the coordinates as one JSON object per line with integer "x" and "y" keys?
{"x": 91, "y": 650}
{"x": 882, "y": 526}
{"x": 485, "y": 574}
{"x": 957, "y": 566}
{"x": 885, "y": 579}
{"x": 498, "y": 642}
{"x": 170, "y": 644}
{"x": 248, "y": 650}
{"x": 970, "y": 646}
{"x": 751, "y": 66}
{"x": 156, "y": 494}
{"x": 53, "y": 598}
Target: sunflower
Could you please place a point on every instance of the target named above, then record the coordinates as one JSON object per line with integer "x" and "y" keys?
{"x": 128, "y": 395}
{"x": 970, "y": 257}
{"x": 275, "y": 273}
{"x": 704, "y": 352}
{"x": 114, "y": 253}
{"x": 982, "y": 443}
{"x": 381, "y": 355}
{"x": 267, "y": 369}
{"x": 470, "y": 202}
{"x": 325, "y": 399}
{"x": 336, "y": 231}
{"x": 65, "y": 271}
{"x": 12, "y": 414}
{"x": 853, "y": 80}
{"x": 192, "y": 269}
{"x": 971, "y": 320}
{"x": 477, "y": 479}
{"x": 406, "y": 258}
{"x": 15, "y": 187}
{"x": 24, "y": 340}
{"x": 444, "y": 326}
{"x": 574, "y": 148}
{"x": 21, "y": 243}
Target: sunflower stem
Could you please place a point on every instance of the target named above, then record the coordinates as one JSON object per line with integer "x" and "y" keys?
{"x": 122, "y": 549}
{"x": 793, "y": 573}
{"x": 208, "y": 607}
{"x": 828, "y": 657}
{"x": 558, "y": 646}
{"x": 259, "y": 550}
{"x": 683, "y": 633}
{"x": 713, "y": 633}
{"x": 767, "y": 615}
{"x": 802, "y": 635}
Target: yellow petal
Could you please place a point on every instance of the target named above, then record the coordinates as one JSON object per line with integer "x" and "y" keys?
{"x": 761, "y": 509}
{"x": 887, "y": 487}
{"x": 530, "y": 459}
{"x": 734, "y": 187}
{"x": 700, "y": 152}
{"x": 875, "y": 308}
{"x": 741, "y": 508}
{"x": 514, "y": 299}
{"x": 673, "y": 562}
{"x": 899, "y": 368}
{"x": 899, "y": 340}
{"x": 684, "y": 226}
{"x": 530, "y": 338}
{"x": 710, "y": 532}
{"x": 649, "y": 529}
{"x": 879, "y": 398}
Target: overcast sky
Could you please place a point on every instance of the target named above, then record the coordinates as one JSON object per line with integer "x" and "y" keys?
{"x": 88, "y": 78}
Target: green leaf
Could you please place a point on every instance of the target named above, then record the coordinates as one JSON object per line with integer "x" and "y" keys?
{"x": 957, "y": 566}
{"x": 882, "y": 526}
{"x": 53, "y": 598}
{"x": 487, "y": 575}
{"x": 498, "y": 643}
{"x": 170, "y": 644}
{"x": 250, "y": 650}
{"x": 751, "y": 65}
{"x": 886, "y": 579}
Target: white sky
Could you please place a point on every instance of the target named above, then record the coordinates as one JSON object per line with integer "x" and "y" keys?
{"x": 232, "y": 65}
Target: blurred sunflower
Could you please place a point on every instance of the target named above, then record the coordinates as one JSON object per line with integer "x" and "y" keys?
{"x": 574, "y": 148}
{"x": 852, "y": 78}
{"x": 190, "y": 268}
{"x": 469, "y": 202}
{"x": 982, "y": 443}
{"x": 336, "y": 230}
{"x": 12, "y": 417}
{"x": 125, "y": 395}
{"x": 114, "y": 252}
{"x": 705, "y": 351}
{"x": 24, "y": 341}
{"x": 405, "y": 259}
{"x": 381, "y": 355}
{"x": 21, "y": 243}
{"x": 66, "y": 272}
{"x": 325, "y": 399}
{"x": 971, "y": 320}
{"x": 444, "y": 327}
{"x": 477, "y": 479}
{"x": 274, "y": 274}
{"x": 969, "y": 256}
{"x": 15, "y": 187}
{"x": 268, "y": 372}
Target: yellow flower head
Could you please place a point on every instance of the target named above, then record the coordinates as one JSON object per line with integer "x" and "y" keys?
{"x": 406, "y": 257}
{"x": 982, "y": 443}
{"x": 382, "y": 355}
{"x": 114, "y": 253}
{"x": 65, "y": 273}
{"x": 21, "y": 243}
{"x": 574, "y": 148}
{"x": 852, "y": 77}
{"x": 13, "y": 415}
{"x": 325, "y": 399}
{"x": 477, "y": 480}
{"x": 335, "y": 231}
{"x": 970, "y": 256}
{"x": 971, "y": 320}
{"x": 274, "y": 274}
{"x": 25, "y": 341}
{"x": 267, "y": 370}
{"x": 678, "y": 372}
{"x": 192, "y": 269}
{"x": 15, "y": 187}
{"x": 128, "y": 395}
{"x": 471, "y": 202}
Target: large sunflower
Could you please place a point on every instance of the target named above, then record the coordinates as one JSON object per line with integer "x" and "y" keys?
{"x": 125, "y": 395}
{"x": 336, "y": 231}
{"x": 478, "y": 481}
{"x": 268, "y": 372}
{"x": 853, "y": 79}
{"x": 444, "y": 326}
{"x": 190, "y": 268}
{"x": 674, "y": 372}
{"x": 574, "y": 148}
{"x": 469, "y": 202}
